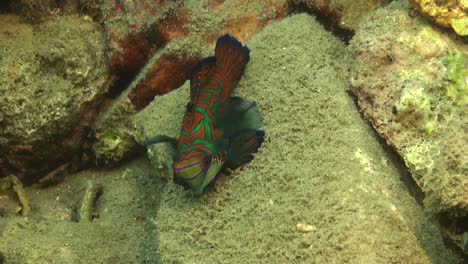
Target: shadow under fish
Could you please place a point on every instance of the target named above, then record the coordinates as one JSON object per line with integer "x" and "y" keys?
{"x": 217, "y": 130}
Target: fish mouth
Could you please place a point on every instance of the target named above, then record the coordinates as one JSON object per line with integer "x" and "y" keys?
{"x": 192, "y": 170}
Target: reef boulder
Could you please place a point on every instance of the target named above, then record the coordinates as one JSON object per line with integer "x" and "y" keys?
{"x": 411, "y": 82}
{"x": 52, "y": 76}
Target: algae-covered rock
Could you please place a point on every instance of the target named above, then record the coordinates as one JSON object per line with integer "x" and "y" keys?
{"x": 36, "y": 11}
{"x": 447, "y": 13}
{"x": 320, "y": 168}
{"x": 347, "y": 14}
{"x": 411, "y": 82}
{"x": 51, "y": 78}
{"x": 114, "y": 132}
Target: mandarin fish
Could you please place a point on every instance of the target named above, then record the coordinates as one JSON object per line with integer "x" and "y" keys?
{"x": 217, "y": 130}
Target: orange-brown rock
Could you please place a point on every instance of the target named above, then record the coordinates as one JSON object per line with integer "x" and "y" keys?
{"x": 447, "y": 13}
{"x": 196, "y": 27}
{"x": 167, "y": 74}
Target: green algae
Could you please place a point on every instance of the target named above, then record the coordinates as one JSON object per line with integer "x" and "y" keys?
{"x": 460, "y": 26}
{"x": 457, "y": 72}
{"x": 112, "y": 145}
{"x": 320, "y": 165}
{"x": 114, "y": 133}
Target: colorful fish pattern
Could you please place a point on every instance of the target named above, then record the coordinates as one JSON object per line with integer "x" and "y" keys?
{"x": 217, "y": 130}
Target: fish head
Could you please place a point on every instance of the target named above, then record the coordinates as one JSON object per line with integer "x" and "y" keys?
{"x": 197, "y": 169}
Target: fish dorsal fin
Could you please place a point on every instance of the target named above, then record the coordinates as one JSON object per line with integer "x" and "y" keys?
{"x": 201, "y": 73}
{"x": 231, "y": 60}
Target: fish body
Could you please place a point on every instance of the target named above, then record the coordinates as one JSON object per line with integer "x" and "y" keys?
{"x": 217, "y": 130}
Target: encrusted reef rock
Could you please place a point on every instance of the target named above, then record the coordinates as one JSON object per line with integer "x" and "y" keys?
{"x": 447, "y": 13}
{"x": 51, "y": 78}
{"x": 35, "y": 11}
{"x": 320, "y": 190}
{"x": 411, "y": 83}
{"x": 346, "y": 14}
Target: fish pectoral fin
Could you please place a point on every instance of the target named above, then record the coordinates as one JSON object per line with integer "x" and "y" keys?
{"x": 171, "y": 143}
{"x": 239, "y": 115}
{"x": 211, "y": 173}
{"x": 243, "y": 145}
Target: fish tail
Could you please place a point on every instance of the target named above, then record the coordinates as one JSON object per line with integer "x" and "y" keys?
{"x": 231, "y": 59}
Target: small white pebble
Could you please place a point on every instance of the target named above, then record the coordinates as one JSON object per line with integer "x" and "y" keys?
{"x": 87, "y": 18}
{"x": 305, "y": 228}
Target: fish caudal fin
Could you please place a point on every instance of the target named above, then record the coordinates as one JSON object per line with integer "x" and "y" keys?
{"x": 201, "y": 74}
{"x": 243, "y": 145}
{"x": 231, "y": 59}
